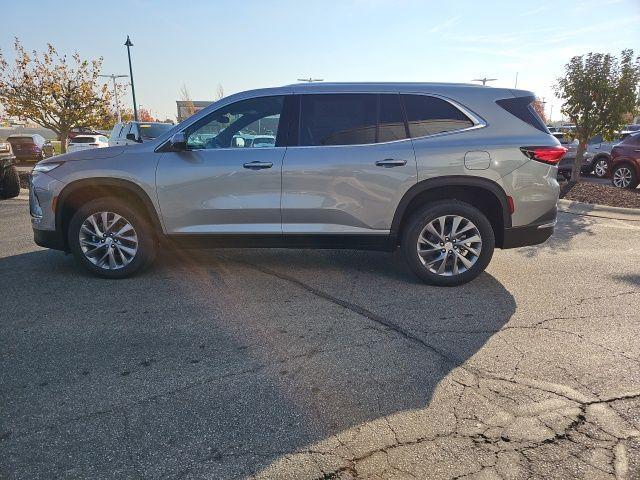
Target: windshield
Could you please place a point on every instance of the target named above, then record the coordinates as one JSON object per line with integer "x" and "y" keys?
{"x": 153, "y": 130}
{"x": 20, "y": 140}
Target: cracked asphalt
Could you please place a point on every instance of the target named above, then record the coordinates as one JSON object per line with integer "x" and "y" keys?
{"x": 276, "y": 364}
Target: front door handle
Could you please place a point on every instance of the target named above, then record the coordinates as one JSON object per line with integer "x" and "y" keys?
{"x": 391, "y": 162}
{"x": 257, "y": 165}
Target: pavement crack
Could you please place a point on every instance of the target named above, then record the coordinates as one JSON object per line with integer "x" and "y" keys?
{"x": 358, "y": 309}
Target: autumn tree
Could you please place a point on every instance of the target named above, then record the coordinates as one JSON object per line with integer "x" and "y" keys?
{"x": 538, "y": 106}
{"x": 188, "y": 108}
{"x": 598, "y": 91}
{"x": 144, "y": 115}
{"x": 53, "y": 90}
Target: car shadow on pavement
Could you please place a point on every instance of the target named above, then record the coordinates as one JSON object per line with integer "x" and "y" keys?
{"x": 219, "y": 363}
{"x": 569, "y": 225}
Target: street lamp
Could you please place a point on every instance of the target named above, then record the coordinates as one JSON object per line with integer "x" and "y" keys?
{"x": 484, "y": 80}
{"x": 129, "y": 44}
{"x": 115, "y": 91}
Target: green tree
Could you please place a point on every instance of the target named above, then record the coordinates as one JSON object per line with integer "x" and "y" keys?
{"x": 598, "y": 91}
{"x": 52, "y": 90}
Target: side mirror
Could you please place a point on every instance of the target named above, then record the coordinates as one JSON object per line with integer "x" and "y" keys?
{"x": 178, "y": 142}
{"x": 132, "y": 136}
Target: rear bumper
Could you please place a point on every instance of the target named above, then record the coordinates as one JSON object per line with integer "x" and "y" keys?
{"x": 533, "y": 234}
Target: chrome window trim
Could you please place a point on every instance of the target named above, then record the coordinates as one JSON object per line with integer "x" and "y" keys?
{"x": 478, "y": 121}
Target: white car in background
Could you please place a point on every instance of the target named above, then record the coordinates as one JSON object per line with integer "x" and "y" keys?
{"x": 264, "y": 141}
{"x": 85, "y": 142}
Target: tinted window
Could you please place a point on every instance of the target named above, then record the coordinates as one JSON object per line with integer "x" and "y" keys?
{"x": 153, "y": 130}
{"x": 430, "y": 115}
{"x": 236, "y": 125}
{"x": 633, "y": 139}
{"x": 21, "y": 140}
{"x": 390, "y": 119}
{"x": 83, "y": 140}
{"x": 338, "y": 119}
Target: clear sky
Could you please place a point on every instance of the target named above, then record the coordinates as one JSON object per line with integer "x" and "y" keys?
{"x": 252, "y": 44}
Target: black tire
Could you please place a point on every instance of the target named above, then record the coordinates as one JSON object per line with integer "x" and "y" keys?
{"x": 422, "y": 217}
{"x": 147, "y": 241}
{"x": 634, "y": 181}
{"x": 10, "y": 183}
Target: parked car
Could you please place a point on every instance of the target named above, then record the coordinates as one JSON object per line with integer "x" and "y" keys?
{"x": 131, "y": 133}
{"x": 625, "y": 162}
{"x": 9, "y": 179}
{"x": 565, "y": 166}
{"x": 600, "y": 152}
{"x": 84, "y": 142}
{"x": 444, "y": 172}
{"x": 261, "y": 141}
{"x": 632, "y": 127}
{"x": 81, "y": 131}
{"x": 27, "y": 146}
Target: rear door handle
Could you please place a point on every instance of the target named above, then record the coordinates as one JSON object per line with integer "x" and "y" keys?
{"x": 391, "y": 162}
{"x": 257, "y": 165}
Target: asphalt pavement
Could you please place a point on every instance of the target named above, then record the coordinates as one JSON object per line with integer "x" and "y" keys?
{"x": 322, "y": 364}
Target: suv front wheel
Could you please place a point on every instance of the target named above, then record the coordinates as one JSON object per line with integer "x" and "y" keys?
{"x": 110, "y": 239}
{"x": 448, "y": 243}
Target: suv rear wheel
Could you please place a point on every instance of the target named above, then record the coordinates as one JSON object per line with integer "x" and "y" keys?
{"x": 110, "y": 239}
{"x": 448, "y": 243}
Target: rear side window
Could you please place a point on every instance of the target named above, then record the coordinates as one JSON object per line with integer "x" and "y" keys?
{"x": 522, "y": 107}
{"x": 338, "y": 119}
{"x": 633, "y": 139}
{"x": 428, "y": 115}
{"x": 391, "y": 124}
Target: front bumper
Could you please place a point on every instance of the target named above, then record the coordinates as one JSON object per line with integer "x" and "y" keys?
{"x": 49, "y": 239}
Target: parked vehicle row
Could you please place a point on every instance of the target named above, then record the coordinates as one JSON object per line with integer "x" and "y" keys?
{"x": 444, "y": 172}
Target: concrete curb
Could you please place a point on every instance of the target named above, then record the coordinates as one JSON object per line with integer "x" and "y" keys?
{"x": 603, "y": 211}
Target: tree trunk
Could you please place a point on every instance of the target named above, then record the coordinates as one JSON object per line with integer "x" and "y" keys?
{"x": 577, "y": 163}
{"x": 63, "y": 141}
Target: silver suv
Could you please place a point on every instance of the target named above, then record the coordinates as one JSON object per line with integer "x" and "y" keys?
{"x": 446, "y": 172}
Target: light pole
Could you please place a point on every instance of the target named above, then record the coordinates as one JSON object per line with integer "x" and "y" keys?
{"x": 484, "y": 80}
{"x": 115, "y": 92}
{"x": 129, "y": 44}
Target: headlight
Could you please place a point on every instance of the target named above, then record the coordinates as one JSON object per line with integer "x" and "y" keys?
{"x": 45, "y": 167}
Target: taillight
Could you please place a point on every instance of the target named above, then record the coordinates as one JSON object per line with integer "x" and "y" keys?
{"x": 550, "y": 155}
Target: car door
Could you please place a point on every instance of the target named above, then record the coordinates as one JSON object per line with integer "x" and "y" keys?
{"x": 350, "y": 165}
{"x": 219, "y": 186}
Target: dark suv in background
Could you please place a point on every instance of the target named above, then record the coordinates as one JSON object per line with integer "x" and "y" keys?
{"x": 28, "y": 146}
{"x": 625, "y": 162}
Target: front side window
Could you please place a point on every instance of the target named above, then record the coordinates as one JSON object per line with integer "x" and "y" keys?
{"x": 237, "y": 125}
{"x": 337, "y": 119}
{"x": 428, "y": 115}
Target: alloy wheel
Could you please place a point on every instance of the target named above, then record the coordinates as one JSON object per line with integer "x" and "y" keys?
{"x": 108, "y": 240}
{"x": 601, "y": 167}
{"x": 622, "y": 177}
{"x": 449, "y": 245}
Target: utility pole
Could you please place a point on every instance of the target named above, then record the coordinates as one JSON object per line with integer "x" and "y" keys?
{"x": 115, "y": 92}
{"x": 484, "y": 80}
{"x": 516, "y": 85}
{"x": 129, "y": 44}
